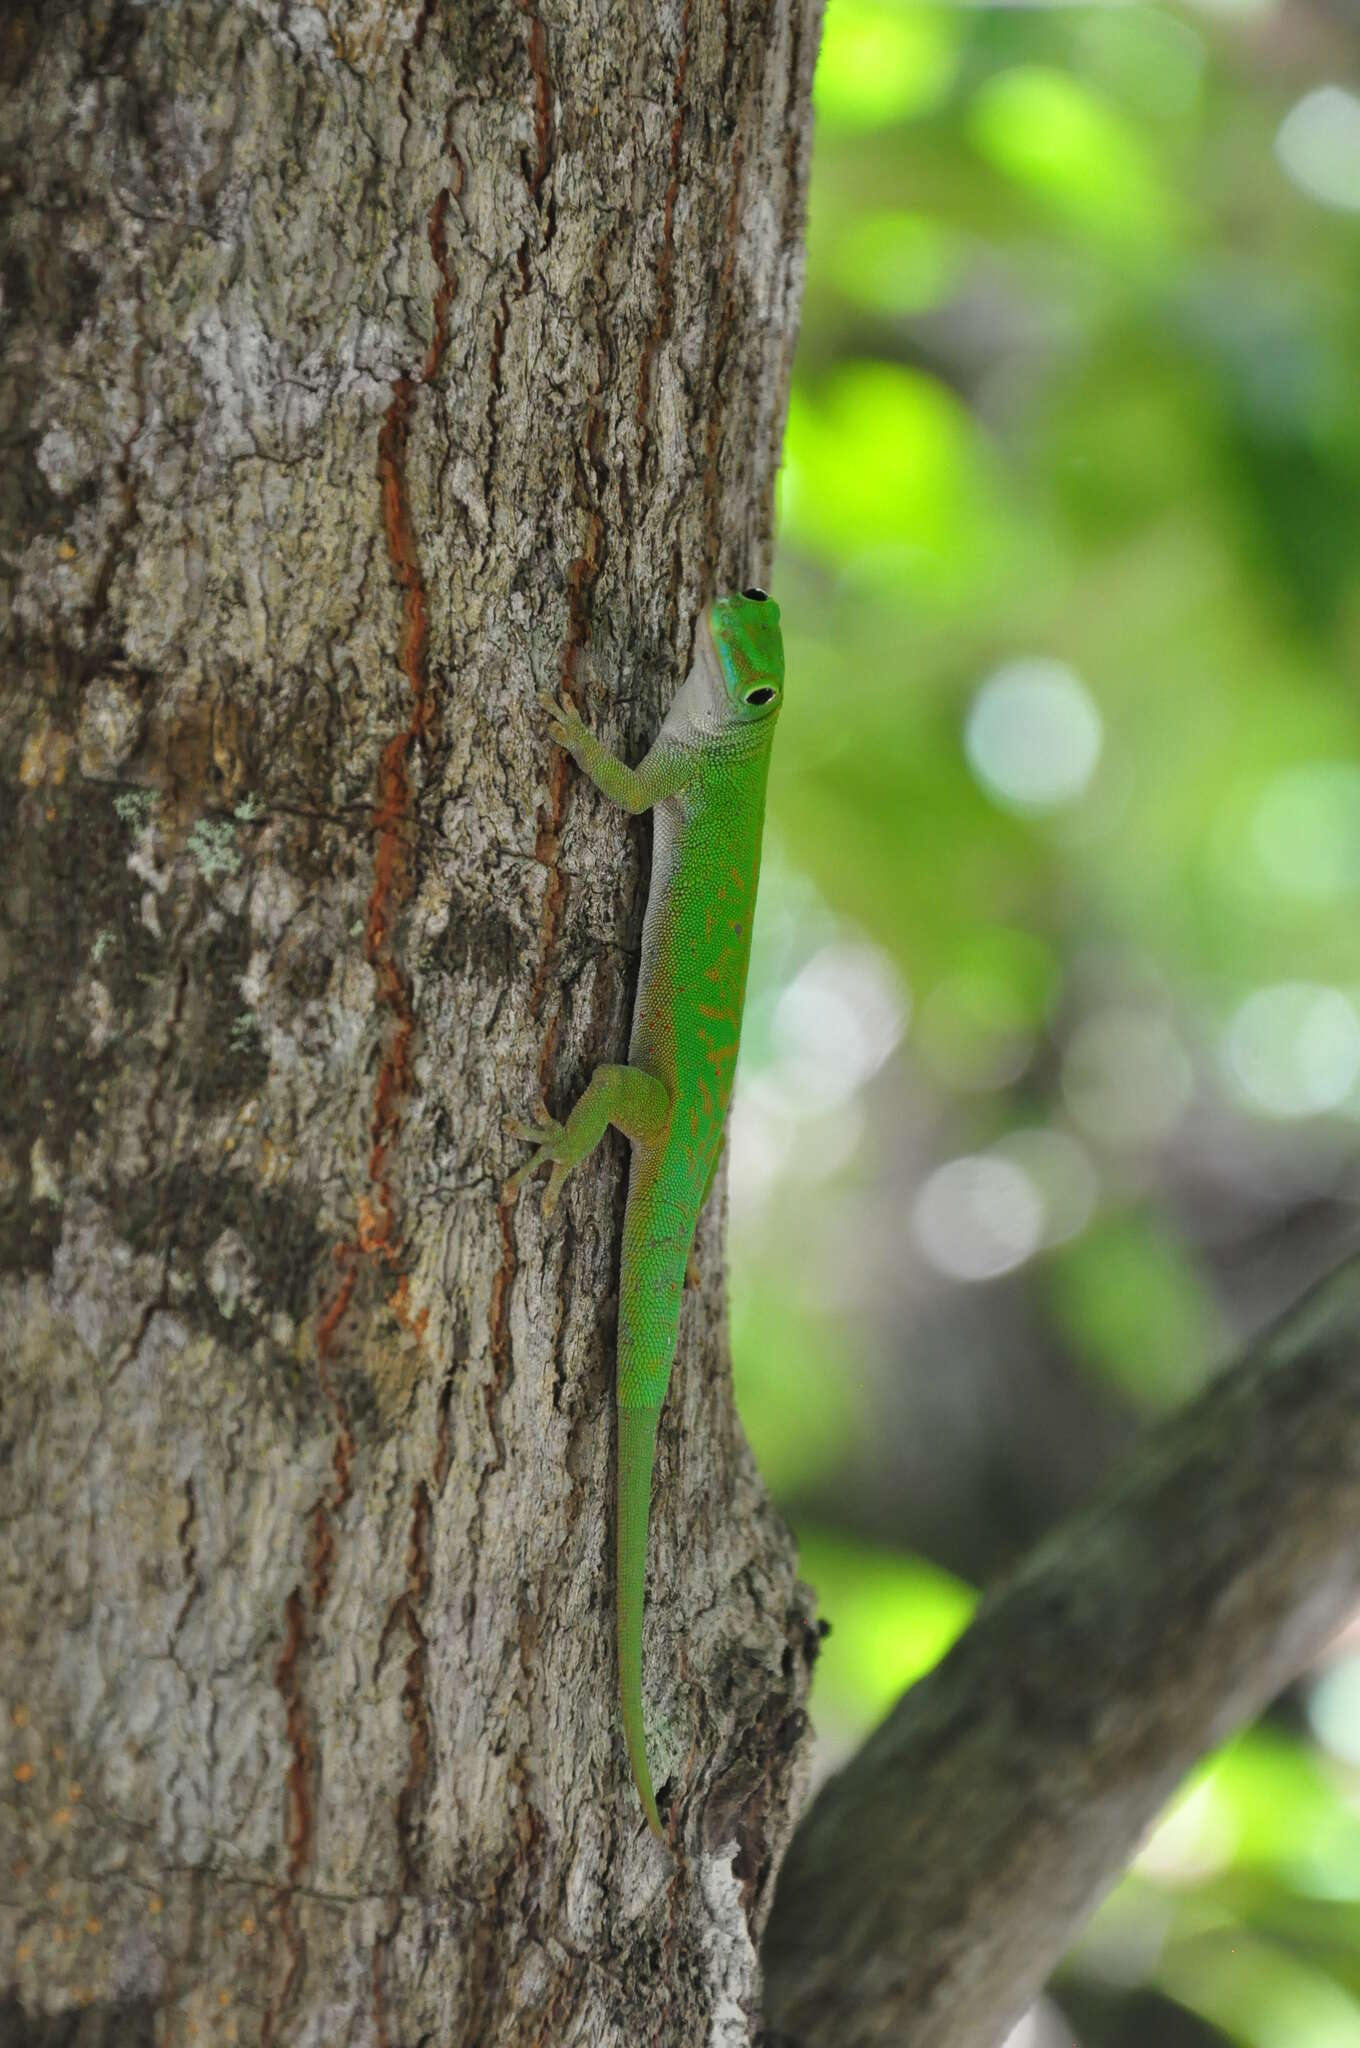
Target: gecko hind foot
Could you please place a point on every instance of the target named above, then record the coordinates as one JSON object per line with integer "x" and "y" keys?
{"x": 549, "y": 1136}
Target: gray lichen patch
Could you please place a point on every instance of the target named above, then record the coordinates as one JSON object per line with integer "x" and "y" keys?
{"x": 213, "y": 849}
{"x": 135, "y": 807}
{"x": 245, "y": 1030}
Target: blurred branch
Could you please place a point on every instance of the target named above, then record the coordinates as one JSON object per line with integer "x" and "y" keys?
{"x": 936, "y": 1881}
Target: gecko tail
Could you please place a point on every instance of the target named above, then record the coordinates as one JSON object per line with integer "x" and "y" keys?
{"x": 637, "y": 1450}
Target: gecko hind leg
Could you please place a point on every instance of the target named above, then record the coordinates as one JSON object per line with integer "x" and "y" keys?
{"x": 627, "y": 1097}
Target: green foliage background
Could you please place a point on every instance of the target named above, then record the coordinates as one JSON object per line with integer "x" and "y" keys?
{"x": 1074, "y": 447}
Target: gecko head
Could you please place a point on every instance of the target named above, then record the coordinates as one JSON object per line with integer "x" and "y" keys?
{"x": 750, "y": 651}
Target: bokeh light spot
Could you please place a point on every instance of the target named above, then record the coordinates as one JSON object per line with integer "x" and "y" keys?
{"x": 837, "y": 1021}
{"x": 1318, "y": 144}
{"x": 1305, "y": 831}
{"x": 1294, "y": 1049}
{"x": 1195, "y": 1838}
{"x": 1033, "y": 735}
{"x": 1334, "y": 1710}
{"x": 978, "y": 1217}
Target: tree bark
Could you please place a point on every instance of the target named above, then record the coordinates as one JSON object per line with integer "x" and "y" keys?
{"x": 937, "y": 1880}
{"x": 365, "y": 368}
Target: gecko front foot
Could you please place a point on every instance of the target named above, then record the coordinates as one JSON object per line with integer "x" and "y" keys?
{"x": 565, "y": 724}
{"x": 551, "y": 1140}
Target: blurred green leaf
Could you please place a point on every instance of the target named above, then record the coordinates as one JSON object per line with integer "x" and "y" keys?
{"x": 1283, "y": 1806}
{"x": 1129, "y": 1301}
{"x": 995, "y": 991}
{"x": 896, "y": 262}
{"x": 1259, "y": 1993}
{"x": 781, "y": 1344}
{"x": 1145, "y": 57}
{"x": 892, "y": 1617}
{"x": 880, "y": 62}
{"x": 871, "y": 792}
{"x": 885, "y": 469}
{"x": 1076, "y": 152}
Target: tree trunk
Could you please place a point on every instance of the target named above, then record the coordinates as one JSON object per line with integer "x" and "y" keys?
{"x": 365, "y": 369}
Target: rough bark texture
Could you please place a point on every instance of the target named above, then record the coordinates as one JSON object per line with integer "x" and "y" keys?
{"x": 937, "y": 1880}
{"x": 366, "y": 367}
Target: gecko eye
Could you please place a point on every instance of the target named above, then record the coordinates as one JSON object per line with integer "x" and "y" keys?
{"x": 759, "y": 596}
{"x": 760, "y": 696}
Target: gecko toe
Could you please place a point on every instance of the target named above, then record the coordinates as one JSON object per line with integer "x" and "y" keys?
{"x": 544, "y": 1130}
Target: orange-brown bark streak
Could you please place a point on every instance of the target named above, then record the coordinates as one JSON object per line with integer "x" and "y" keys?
{"x": 377, "y": 1226}
{"x": 391, "y": 871}
{"x": 376, "y": 1234}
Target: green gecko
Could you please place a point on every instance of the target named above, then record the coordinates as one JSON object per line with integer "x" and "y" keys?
{"x": 705, "y": 774}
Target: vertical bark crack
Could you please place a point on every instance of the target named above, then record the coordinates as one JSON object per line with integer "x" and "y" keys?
{"x": 543, "y": 126}
{"x": 127, "y": 489}
{"x": 297, "y": 1806}
{"x": 415, "y": 1709}
{"x": 498, "y": 1330}
{"x": 494, "y": 394}
{"x": 189, "y": 1553}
